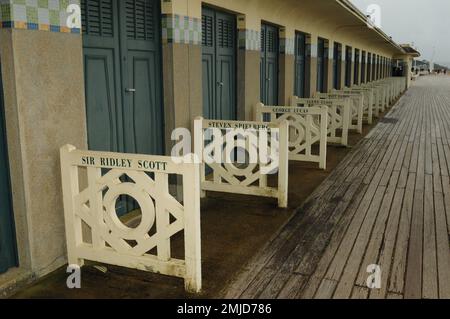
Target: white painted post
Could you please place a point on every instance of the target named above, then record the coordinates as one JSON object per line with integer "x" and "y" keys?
{"x": 96, "y": 202}
{"x": 347, "y": 117}
{"x": 258, "y": 114}
{"x": 283, "y": 175}
{"x": 323, "y": 138}
{"x": 192, "y": 231}
{"x": 162, "y": 217}
{"x": 73, "y": 223}
{"x": 199, "y": 138}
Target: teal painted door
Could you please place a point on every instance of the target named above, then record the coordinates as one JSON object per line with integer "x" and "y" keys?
{"x": 122, "y": 62}
{"x": 348, "y": 66}
{"x": 300, "y": 65}
{"x": 356, "y": 70}
{"x": 269, "y": 64}
{"x": 123, "y": 78}
{"x": 219, "y": 45}
{"x": 363, "y": 67}
{"x": 374, "y": 70}
{"x": 369, "y": 67}
{"x": 8, "y": 256}
{"x": 321, "y": 65}
{"x": 337, "y": 65}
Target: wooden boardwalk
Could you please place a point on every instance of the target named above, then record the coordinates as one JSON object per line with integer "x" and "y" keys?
{"x": 387, "y": 204}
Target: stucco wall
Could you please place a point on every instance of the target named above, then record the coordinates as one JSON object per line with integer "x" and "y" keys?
{"x": 44, "y": 101}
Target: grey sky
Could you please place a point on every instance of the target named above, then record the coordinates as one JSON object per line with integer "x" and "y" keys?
{"x": 426, "y": 23}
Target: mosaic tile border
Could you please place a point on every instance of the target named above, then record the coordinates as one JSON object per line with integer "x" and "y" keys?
{"x": 42, "y": 15}
{"x": 249, "y": 40}
{"x": 181, "y": 29}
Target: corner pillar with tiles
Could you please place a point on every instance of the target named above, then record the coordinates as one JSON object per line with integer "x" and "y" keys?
{"x": 287, "y": 65}
{"x": 182, "y": 56}
{"x": 249, "y": 59}
{"x": 312, "y": 42}
{"x": 42, "y": 72}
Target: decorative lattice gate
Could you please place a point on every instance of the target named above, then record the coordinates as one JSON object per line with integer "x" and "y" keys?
{"x": 92, "y": 184}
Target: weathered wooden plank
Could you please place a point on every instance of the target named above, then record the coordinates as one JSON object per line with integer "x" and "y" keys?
{"x": 413, "y": 280}
{"x": 388, "y": 245}
{"x": 394, "y": 296}
{"x": 374, "y": 247}
{"x": 272, "y": 290}
{"x": 337, "y": 266}
{"x": 397, "y": 277}
{"x": 313, "y": 283}
{"x": 347, "y": 281}
{"x": 443, "y": 247}
{"x": 293, "y": 287}
{"x": 446, "y": 190}
{"x": 326, "y": 289}
{"x": 360, "y": 293}
{"x": 430, "y": 275}
{"x": 257, "y": 285}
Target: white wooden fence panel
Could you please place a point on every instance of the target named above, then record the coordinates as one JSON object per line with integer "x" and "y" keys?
{"x": 147, "y": 182}
{"x": 381, "y": 103}
{"x": 307, "y": 127}
{"x": 356, "y": 104}
{"x": 339, "y": 116}
{"x": 369, "y": 103}
{"x": 249, "y": 178}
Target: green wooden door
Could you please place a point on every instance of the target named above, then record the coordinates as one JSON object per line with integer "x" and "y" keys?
{"x": 8, "y": 256}
{"x": 374, "y": 64}
{"x": 356, "y": 69}
{"x": 122, "y": 62}
{"x": 269, "y": 64}
{"x": 348, "y": 67}
{"x": 369, "y": 67}
{"x": 300, "y": 65}
{"x": 219, "y": 64}
{"x": 321, "y": 57}
{"x": 337, "y": 65}
{"x": 363, "y": 66}
{"x": 123, "y": 78}
{"x": 142, "y": 79}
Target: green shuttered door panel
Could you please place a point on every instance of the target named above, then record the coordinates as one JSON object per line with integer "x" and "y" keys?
{"x": 300, "y": 64}
{"x": 321, "y": 56}
{"x": 363, "y": 67}
{"x": 348, "y": 67}
{"x": 122, "y": 61}
{"x": 219, "y": 65}
{"x": 8, "y": 256}
{"x": 269, "y": 64}
{"x": 356, "y": 70}
{"x": 337, "y": 58}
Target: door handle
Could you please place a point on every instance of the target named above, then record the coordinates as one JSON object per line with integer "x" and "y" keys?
{"x": 220, "y": 83}
{"x": 130, "y": 90}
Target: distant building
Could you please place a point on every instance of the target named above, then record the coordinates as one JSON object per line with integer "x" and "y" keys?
{"x": 438, "y": 67}
{"x": 421, "y": 65}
